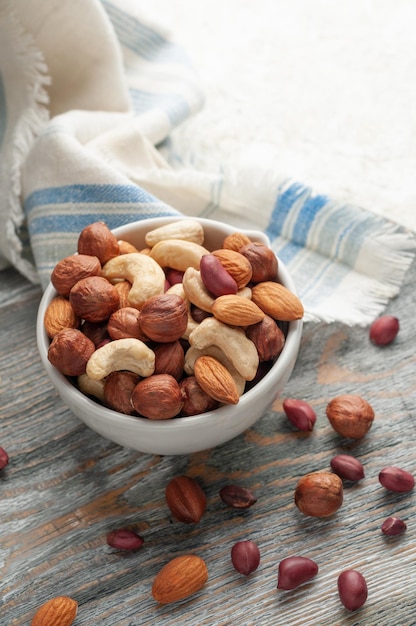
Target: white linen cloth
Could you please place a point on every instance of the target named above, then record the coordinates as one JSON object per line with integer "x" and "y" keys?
{"x": 89, "y": 93}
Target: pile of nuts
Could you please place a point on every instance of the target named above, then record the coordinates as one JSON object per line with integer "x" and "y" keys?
{"x": 171, "y": 330}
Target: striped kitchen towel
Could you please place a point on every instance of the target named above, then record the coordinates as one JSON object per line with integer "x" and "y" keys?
{"x": 89, "y": 94}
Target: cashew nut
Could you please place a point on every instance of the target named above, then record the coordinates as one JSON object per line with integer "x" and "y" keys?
{"x": 232, "y": 341}
{"x": 193, "y": 353}
{"x": 128, "y": 354}
{"x": 178, "y": 254}
{"x": 244, "y": 292}
{"x": 145, "y": 275}
{"x": 186, "y": 229}
{"x": 196, "y": 291}
{"x": 91, "y": 387}
{"x": 178, "y": 290}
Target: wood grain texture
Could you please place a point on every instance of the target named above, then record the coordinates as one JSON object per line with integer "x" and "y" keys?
{"x": 66, "y": 487}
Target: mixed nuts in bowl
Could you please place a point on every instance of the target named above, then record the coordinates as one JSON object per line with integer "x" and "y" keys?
{"x": 169, "y": 335}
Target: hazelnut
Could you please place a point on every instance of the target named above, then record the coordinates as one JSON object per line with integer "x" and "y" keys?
{"x": 157, "y": 397}
{"x": 94, "y": 299}
{"x": 96, "y": 331}
{"x": 118, "y": 389}
{"x": 319, "y": 494}
{"x": 69, "y": 352}
{"x": 263, "y": 261}
{"x": 125, "y": 322}
{"x": 170, "y": 359}
{"x": 73, "y": 268}
{"x": 164, "y": 317}
{"x": 97, "y": 240}
{"x": 268, "y": 338}
{"x": 195, "y": 399}
{"x": 350, "y": 416}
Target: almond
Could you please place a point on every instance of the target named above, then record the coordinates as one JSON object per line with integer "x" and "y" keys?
{"x": 235, "y": 241}
{"x": 215, "y": 380}
{"x": 179, "y": 578}
{"x": 59, "y": 611}
{"x": 277, "y": 301}
{"x": 237, "y": 311}
{"x": 237, "y": 265}
{"x": 186, "y": 499}
{"x": 59, "y": 315}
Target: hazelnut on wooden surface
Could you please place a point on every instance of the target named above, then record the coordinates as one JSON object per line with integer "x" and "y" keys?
{"x": 319, "y": 494}
{"x": 350, "y": 416}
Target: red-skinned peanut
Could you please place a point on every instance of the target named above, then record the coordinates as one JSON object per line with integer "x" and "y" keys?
{"x": 124, "y": 539}
{"x": 352, "y": 589}
{"x": 393, "y": 526}
{"x": 299, "y": 413}
{"x": 245, "y": 557}
{"x": 347, "y": 467}
{"x": 294, "y": 571}
{"x": 384, "y": 329}
{"x": 215, "y": 277}
{"x": 4, "y": 458}
{"x": 396, "y": 479}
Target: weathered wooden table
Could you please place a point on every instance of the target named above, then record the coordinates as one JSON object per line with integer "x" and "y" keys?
{"x": 66, "y": 487}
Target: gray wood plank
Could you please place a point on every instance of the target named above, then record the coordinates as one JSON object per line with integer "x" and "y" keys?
{"x": 66, "y": 487}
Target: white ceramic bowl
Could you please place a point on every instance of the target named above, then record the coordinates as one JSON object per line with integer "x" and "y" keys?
{"x": 185, "y": 434}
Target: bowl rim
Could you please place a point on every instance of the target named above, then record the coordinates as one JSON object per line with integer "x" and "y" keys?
{"x": 85, "y": 404}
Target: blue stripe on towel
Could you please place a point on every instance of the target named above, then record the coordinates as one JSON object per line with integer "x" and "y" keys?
{"x": 114, "y": 204}
{"x": 3, "y": 111}
{"x": 335, "y": 231}
{"x": 294, "y": 222}
{"x": 79, "y": 194}
{"x": 64, "y": 223}
{"x": 143, "y": 40}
